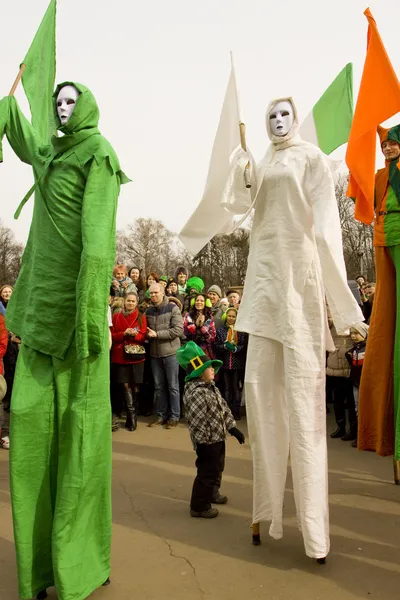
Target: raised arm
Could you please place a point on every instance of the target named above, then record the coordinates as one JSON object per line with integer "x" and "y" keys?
{"x": 21, "y": 135}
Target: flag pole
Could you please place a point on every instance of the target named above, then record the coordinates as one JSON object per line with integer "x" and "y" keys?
{"x": 17, "y": 80}
{"x": 242, "y": 130}
{"x": 247, "y": 179}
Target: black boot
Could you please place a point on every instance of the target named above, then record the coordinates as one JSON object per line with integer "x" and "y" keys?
{"x": 131, "y": 422}
{"x": 339, "y": 432}
{"x": 351, "y": 434}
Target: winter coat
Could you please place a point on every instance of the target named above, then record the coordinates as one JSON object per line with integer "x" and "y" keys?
{"x": 166, "y": 320}
{"x": 10, "y": 358}
{"x": 217, "y": 311}
{"x": 232, "y": 360}
{"x": 203, "y": 336}
{"x": 337, "y": 364}
{"x": 208, "y": 415}
{"x": 3, "y": 342}
{"x": 121, "y": 322}
{"x": 73, "y": 231}
{"x": 355, "y": 357}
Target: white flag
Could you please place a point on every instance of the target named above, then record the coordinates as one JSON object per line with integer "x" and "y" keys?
{"x": 210, "y": 217}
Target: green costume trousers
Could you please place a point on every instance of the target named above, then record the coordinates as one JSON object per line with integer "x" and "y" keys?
{"x": 395, "y": 254}
{"x": 60, "y": 464}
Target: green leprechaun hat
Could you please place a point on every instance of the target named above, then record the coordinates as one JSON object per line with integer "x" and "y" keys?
{"x": 192, "y": 358}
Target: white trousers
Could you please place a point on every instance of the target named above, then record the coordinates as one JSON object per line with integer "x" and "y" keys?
{"x": 285, "y": 403}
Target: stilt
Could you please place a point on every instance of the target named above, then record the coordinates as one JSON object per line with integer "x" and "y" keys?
{"x": 256, "y": 540}
{"x": 321, "y": 561}
{"x": 396, "y": 471}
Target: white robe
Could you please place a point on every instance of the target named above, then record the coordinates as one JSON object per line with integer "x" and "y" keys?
{"x": 295, "y": 259}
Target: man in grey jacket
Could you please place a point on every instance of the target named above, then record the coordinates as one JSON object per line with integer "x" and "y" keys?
{"x": 165, "y": 328}
{"x": 214, "y": 294}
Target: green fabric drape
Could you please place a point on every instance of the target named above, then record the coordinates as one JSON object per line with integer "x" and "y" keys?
{"x": 60, "y": 469}
{"x": 39, "y": 75}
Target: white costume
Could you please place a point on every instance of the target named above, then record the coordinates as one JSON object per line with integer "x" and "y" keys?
{"x": 295, "y": 260}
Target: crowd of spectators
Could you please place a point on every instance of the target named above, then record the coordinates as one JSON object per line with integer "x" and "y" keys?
{"x": 151, "y": 317}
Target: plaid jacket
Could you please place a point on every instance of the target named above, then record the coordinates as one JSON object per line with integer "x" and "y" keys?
{"x": 208, "y": 415}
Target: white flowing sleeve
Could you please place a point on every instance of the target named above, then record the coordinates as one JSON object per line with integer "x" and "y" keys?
{"x": 236, "y": 198}
{"x": 320, "y": 192}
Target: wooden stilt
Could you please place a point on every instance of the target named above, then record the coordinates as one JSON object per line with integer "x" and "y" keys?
{"x": 396, "y": 471}
{"x": 256, "y": 539}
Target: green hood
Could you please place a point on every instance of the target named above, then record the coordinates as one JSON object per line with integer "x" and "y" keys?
{"x": 86, "y": 113}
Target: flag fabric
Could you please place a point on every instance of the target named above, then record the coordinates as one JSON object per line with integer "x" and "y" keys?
{"x": 378, "y": 100}
{"x": 329, "y": 123}
{"x": 40, "y": 73}
{"x": 210, "y": 218}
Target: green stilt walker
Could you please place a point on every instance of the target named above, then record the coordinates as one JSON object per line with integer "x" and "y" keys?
{"x": 60, "y": 456}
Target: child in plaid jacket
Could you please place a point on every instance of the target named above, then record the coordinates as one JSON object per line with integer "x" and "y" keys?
{"x": 209, "y": 419}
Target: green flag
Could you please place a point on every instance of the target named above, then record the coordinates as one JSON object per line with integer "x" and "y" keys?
{"x": 328, "y": 125}
{"x": 40, "y": 73}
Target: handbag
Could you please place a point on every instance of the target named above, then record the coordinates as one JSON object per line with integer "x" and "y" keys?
{"x": 133, "y": 352}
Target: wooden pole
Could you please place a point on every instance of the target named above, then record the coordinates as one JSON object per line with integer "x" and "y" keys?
{"x": 17, "y": 80}
{"x": 242, "y": 129}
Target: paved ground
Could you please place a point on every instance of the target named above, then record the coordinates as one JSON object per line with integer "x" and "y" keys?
{"x": 160, "y": 553}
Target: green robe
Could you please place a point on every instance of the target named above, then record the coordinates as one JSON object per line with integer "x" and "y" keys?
{"x": 60, "y": 458}
{"x": 65, "y": 276}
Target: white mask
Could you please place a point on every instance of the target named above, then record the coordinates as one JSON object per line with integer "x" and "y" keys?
{"x": 66, "y": 102}
{"x": 281, "y": 118}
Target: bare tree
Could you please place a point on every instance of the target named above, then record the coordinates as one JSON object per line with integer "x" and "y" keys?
{"x": 223, "y": 260}
{"x": 10, "y": 256}
{"x": 149, "y": 245}
{"x": 358, "y": 245}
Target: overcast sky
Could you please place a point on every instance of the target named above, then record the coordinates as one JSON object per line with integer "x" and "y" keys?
{"x": 159, "y": 71}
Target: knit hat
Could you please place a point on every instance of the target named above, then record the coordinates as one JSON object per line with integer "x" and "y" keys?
{"x": 164, "y": 278}
{"x": 229, "y": 309}
{"x": 362, "y": 329}
{"x": 3, "y": 387}
{"x": 183, "y": 270}
{"x": 393, "y": 133}
{"x": 216, "y": 289}
{"x": 194, "y": 361}
{"x": 195, "y": 283}
{"x": 172, "y": 280}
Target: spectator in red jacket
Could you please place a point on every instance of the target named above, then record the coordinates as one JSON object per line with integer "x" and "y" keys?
{"x": 128, "y": 335}
{"x": 3, "y": 342}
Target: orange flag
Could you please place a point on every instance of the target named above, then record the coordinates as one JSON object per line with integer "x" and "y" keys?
{"x": 378, "y": 100}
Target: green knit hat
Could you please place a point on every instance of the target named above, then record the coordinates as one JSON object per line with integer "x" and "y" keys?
{"x": 164, "y": 278}
{"x": 194, "y": 361}
{"x": 195, "y": 283}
